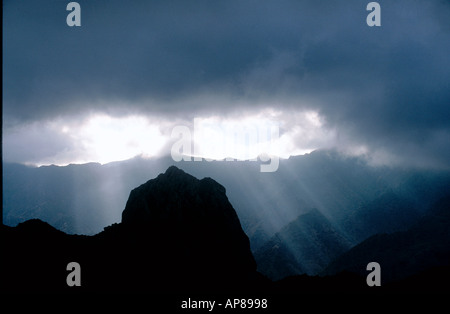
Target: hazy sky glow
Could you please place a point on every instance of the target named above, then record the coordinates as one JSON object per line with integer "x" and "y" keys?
{"x": 116, "y": 86}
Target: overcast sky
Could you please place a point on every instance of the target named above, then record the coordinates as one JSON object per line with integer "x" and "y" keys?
{"x": 135, "y": 69}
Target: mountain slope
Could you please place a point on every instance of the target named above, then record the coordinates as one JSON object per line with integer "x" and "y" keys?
{"x": 306, "y": 245}
{"x": 390, "y": 212}
{"x": 401, "y": 254}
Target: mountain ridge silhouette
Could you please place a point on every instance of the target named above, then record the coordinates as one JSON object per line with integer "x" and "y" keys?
{"x": 177, "y": 232}
{"x": 156, "y": 248}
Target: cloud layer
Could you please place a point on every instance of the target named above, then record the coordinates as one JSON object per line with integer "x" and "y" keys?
{"x": 382, "y": 88}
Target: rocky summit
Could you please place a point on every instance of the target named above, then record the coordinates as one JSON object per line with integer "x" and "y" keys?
{"x": 190, "y": 224}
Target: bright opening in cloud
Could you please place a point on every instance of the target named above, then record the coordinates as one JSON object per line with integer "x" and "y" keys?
{"x": 107, "y": 139}
{"x": 266, "y": 133}
{"x": 244, "y": 139}
{"x": 103, "y": 138}
{"x": 99, "y": 138}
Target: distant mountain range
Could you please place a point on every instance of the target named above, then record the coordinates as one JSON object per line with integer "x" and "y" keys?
{"x": 298, "y": 219}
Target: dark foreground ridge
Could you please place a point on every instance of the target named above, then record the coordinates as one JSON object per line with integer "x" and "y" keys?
{"x": 178, "y": 235}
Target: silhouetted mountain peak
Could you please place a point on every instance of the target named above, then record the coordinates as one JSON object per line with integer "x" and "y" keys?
{"x": 174, "y": 174}
{"x": 175, "y": 171}
{"x": 176, "y": 196}
{"x": 190, "y": 220}
{"x": 37, "y": 226}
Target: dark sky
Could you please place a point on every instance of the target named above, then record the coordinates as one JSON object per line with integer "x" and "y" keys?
{"x": 379, "y": 91}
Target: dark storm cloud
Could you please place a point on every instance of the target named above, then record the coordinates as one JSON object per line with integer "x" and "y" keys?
{"x": 129, "y": 51}
{"x": 385, "y": 87}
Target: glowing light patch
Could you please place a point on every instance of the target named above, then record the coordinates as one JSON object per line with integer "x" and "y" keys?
{"x": 106, "y": 139}
{"x": 249, "y": 136}
{"x": 242, "y": 139}
{"x": 103, "y": 138}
